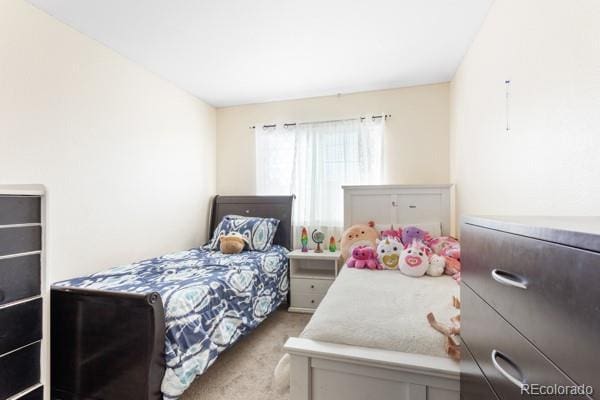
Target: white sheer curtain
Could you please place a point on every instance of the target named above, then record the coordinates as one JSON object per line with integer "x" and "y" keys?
{"x": 313, "y": 161}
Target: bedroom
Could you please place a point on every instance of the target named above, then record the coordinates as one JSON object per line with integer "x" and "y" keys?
{"x": 129, "y": 130}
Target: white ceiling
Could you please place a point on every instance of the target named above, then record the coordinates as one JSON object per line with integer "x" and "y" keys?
{"x": 230, "y": 52}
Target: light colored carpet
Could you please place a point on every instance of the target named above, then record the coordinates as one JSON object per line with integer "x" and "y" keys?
{"x": 245, "y": 371}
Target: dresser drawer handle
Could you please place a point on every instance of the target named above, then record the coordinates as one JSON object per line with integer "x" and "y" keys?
{"x": 312, "y": 286}
{"x": 508, "y": 279}
{"x": 496, "y": 354}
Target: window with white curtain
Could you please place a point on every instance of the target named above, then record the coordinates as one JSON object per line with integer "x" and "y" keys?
{"x": 313, "y": 161}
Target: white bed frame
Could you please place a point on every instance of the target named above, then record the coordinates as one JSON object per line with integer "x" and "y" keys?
{"x": 330, "y": 371}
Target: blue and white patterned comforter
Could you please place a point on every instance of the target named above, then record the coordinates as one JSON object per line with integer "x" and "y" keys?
{"x": 210, "y": 301}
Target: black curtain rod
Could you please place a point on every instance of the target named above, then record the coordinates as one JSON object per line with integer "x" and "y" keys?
{"x": 386, "y": 116}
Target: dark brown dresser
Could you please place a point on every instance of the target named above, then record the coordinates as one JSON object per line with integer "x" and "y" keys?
{"x": 530, "y": 307}
{"x": 20, "y": 297}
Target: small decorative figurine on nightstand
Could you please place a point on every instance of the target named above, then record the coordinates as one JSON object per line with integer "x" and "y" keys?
{"x": 318, "y": 237}
{"x": 304, "y": 240}
{"x": 332, "y": 246}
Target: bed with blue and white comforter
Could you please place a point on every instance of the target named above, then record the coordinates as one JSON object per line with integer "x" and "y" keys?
{"x": 210, "y": 300}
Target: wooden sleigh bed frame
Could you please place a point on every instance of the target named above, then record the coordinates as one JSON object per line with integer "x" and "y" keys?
{"x": 110, "y": 345}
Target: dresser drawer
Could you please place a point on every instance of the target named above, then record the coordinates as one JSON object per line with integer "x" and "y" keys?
{"x": 310, "y": 286}
{"x": 473, "y": 384}
{"x": 37, "y": 394}
{"x": 20, "y": 210}
{"x": 20, "y": 240}
{"x": 19, "y": 370}
{"x": 20, "y": 325}
{"x": 486, "y": 333}
{"x": 559, "y": 304}
{"x": 306, "y": 300}
{"x": 19, "y": 278}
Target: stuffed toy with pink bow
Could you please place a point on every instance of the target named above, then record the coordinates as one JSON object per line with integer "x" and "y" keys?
{"x": 363, "y": 257}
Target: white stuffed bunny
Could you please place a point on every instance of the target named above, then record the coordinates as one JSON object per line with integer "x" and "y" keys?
{"x": 436, "y": 265}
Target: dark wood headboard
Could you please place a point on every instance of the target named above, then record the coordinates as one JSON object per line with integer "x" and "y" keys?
{"x": 279, "y": 207}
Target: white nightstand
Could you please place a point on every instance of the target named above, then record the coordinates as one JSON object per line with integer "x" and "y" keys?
{"x": 311, "y": 274}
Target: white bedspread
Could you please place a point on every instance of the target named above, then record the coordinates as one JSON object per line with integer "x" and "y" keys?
{"x": 384, "y": 309}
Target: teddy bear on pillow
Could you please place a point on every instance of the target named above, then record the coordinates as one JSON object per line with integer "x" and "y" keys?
{"x": 232, "y": 243}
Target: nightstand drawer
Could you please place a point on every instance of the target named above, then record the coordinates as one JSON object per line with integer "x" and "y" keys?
{"x": 310, "y": 286}
{"x": 305, "y": 300}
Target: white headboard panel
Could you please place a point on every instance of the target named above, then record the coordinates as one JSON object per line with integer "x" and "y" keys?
{"x": 400, "y": 205}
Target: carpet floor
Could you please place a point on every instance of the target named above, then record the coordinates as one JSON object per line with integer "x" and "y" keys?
{"x": 245, "y": 371}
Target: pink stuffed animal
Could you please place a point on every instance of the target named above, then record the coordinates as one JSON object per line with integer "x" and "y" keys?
{"x": 363, "y": 257}
{"x": 453, "y": 252}
{"x": 446, "y": 246}
{"x": 456, "y": 277}
{"x": 392, "y": 234}
{"x": 452, "y": 266}
{"x": 414, "y": 260}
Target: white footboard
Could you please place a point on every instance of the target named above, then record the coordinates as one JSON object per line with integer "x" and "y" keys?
{"x": 327, "y": 371}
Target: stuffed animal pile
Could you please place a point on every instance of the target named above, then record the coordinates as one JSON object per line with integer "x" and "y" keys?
{"x": 411, "y": 251}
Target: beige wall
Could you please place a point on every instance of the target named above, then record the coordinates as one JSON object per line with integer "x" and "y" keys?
{"x": 548, "y": 163}
{"x": 416, "y": 140}
{"x": 128, "y": 159}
